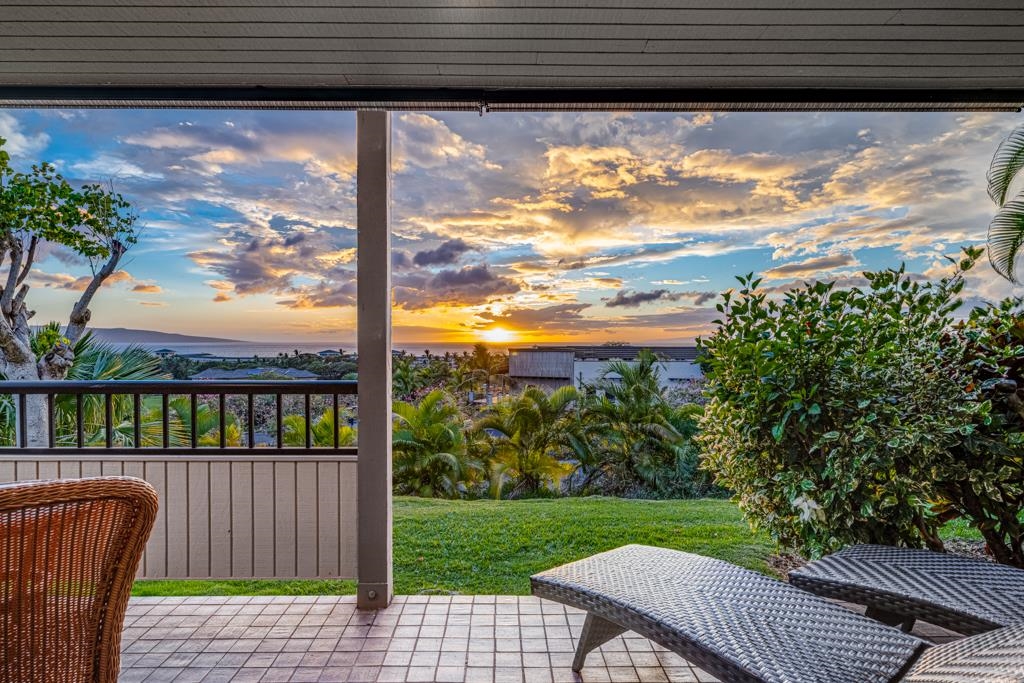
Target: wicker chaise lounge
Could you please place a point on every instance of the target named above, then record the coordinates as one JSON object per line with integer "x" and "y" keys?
{"x": 899, "y": 585}
{"x": 742, "y": 626}
{"x": 68, "y": 554}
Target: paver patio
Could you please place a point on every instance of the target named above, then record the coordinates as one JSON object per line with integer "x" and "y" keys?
{"x": 471, "y": 639}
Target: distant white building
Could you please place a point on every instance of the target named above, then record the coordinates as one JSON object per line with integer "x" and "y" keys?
{"x": 555, "y": 366}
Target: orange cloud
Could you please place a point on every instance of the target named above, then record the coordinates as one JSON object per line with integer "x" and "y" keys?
{"x": 147, "y": 289}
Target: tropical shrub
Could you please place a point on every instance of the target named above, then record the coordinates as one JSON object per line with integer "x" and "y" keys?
{"x": 829, "y": 408}
{"x": 634, "y": 442}
{"x": 527, "y": 436}
{"x": 95, "y": 361}
{"x": 982, "y": 477}
{"x": 321, "y": 431}
{"x": 430, "y": 457}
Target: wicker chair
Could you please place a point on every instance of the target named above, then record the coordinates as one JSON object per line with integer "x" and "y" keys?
{"x": 744, "y": 627}
{"x": 900, "y": 585}
{"x": 68, "y": 554}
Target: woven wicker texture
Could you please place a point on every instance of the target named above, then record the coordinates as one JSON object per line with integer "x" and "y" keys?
{"x": 959, "y": 593}
{"x": 993, "y": 657}
{"x": 68, "y": 554}
{"x": 736, "y": 624}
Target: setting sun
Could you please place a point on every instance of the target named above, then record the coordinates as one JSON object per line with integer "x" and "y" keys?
{"x": 497, "y": 335}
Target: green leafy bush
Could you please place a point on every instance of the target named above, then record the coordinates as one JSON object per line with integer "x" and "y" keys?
{"x": 982, "y": 477}
{"x": 831, "y": 411}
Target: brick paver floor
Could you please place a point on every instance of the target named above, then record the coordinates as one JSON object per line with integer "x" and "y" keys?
{"x": 470, "y": 639}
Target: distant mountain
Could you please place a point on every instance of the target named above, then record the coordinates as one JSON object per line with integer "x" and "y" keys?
{"x": 122, "y": 335}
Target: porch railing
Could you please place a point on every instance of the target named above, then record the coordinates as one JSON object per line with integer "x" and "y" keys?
{"x": 244, "y": 512}
{"x": 197, "y": 392}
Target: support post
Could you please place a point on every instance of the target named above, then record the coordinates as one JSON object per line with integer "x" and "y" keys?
{"x": 373, "y": 273}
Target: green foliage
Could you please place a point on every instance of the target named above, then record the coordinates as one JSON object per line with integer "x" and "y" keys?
{"x": 321, "y": 432}
{"x": 1006, "y": 231}
{"x": 981, "y": 479}
{"x": 42, "y": 204}
{"x": 96, "y": 361}
{"x": 527, "y": 433}
{"x": 827, "y": 408}
{"x": 47, "y": 337}
{"x": 626, "y": 439}
{"x": 430, "y": 455}
{"x": 631, "y": 441}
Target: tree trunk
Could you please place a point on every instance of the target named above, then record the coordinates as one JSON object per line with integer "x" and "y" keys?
{"x": 37, "y": 418}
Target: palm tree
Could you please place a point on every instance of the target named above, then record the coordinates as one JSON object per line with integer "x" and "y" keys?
{"x": 631, "y": 423}
{"x": 207, "y": 424}
{"x": 486, "y": 367}
{"x": 531, "y": 437}
{"x": 1006, "y": 231}
{"x": 405, "y": 378}
{"x": 430, "y": 454}
{"x": 293, "y": 430}
{"x": 98, "y": 361}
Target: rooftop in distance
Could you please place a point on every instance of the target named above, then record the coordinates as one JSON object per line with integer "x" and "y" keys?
{"x": 613, "y": 352}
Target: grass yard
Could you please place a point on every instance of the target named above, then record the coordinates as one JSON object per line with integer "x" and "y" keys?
{"x": 490, "y": 546}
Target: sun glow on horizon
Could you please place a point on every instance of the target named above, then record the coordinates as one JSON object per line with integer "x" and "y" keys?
{"x": 497, "y": 335}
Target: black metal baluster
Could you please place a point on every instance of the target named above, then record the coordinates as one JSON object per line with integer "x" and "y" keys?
{"x": 23, "y": 420}
{"x": 79, "y": 427}
{"x": 108, "y": 418}
{"x": 194, "y": 410}
{"x": 222, "y": 399}
{"x": 280, "y": 417}
{"x": 137, "y": 418}
{"x": 51, "y": 427}
{"x": 309, "y": 423}
{"x": 165, "y": 413}
{"x": 251, "y": 422}
{"x": 337, "y": 427}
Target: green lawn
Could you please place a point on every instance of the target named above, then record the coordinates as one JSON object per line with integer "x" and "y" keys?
{"x": 494, "y": 546}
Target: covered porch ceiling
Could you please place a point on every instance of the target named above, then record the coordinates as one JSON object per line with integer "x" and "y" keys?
{"x": 515, "y": 54}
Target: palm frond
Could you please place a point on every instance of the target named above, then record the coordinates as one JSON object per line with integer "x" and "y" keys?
{"x": 1005, "y": 236}
{"x": 1006, "y": 164}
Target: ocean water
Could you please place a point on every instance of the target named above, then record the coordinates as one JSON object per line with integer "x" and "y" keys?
{"x": 271, "y": 350}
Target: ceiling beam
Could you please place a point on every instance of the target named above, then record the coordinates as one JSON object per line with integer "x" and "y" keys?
{"x": 497, "y": 100}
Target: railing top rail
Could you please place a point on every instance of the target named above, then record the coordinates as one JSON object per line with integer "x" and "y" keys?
{"x": 185, "y": 387}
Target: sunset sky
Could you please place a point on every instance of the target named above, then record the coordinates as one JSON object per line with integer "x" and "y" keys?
{"x": 544, "y": 227}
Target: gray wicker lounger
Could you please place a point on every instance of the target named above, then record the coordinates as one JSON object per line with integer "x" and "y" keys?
{"x": 744, "y": 627}
{"x": 899, "y": 585}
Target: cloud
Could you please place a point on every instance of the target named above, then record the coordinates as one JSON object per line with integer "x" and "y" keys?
{"x": 20, "y": 144}
{"x": 79, "y": 284}
{"x": 812, "y": 267}
{"x": 264, "y": 205}
{"x": 448, "y": 253}
{"x": 426, "y": 142}
{"x": 105, "y": 167}
{"x": 559, "y": 316}
{"x": 153, "y": 304}
{"x": 466, "y": 286}
{"x": 323, "y": 295}
{"x": 630, "y": 299}
{"x": 271, "y": 262}
{"x": 146, "y": 288}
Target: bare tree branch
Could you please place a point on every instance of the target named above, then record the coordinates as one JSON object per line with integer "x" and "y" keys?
{"x": 56, "y": 362}
{"x": 14, "y": 349}
{"x": 15, "y": 247}
{"x": 29, "y": 258}
{"x": 80, "y": 314}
